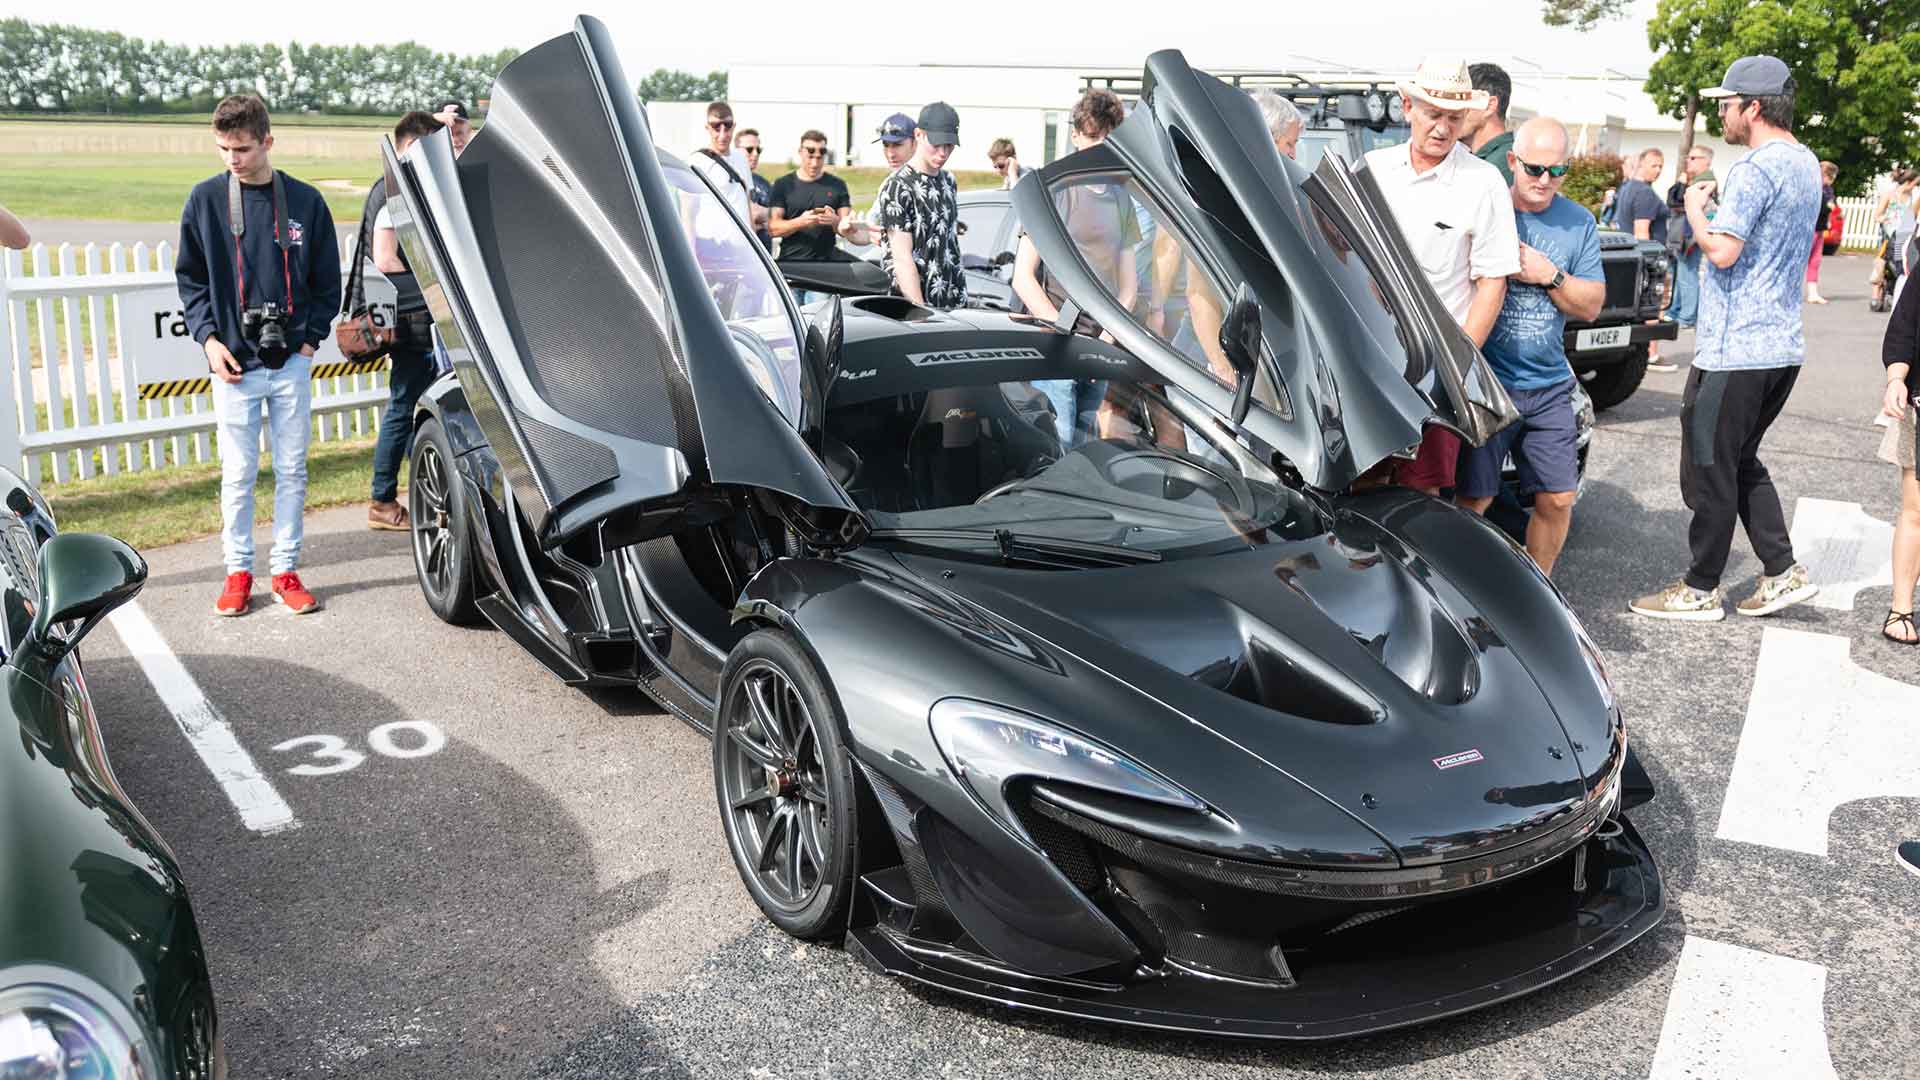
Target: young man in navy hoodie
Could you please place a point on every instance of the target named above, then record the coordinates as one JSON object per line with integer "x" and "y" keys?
{"x": 283, "y": 254}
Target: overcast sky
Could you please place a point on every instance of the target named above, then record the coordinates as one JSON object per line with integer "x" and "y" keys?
{"x": 1375, "y": 34}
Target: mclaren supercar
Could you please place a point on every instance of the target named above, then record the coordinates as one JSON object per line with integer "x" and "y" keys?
{"x": 1093, "y": 673}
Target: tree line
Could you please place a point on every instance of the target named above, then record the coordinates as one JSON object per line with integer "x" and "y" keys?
{"x": 55, "y": 68}
{"x": 1855, "y": 63}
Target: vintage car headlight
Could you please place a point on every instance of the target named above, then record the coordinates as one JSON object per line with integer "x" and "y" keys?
{"x": 55, "y": 1025}
{"x": 987, "y": 745}
{"x": 1377, "y": 107}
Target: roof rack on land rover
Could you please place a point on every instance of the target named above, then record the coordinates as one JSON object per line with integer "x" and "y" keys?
{"x": 1373, "y": 102}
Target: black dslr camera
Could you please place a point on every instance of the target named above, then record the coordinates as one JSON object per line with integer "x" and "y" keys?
{"x": 265, "y": 325}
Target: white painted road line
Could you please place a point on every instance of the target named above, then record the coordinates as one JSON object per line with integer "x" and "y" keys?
{"x": 1741, "y": 1014}
{"x": 1844, "y": 549}
{"x": 261, "y": 807}
{"x": 1820, "y": 732}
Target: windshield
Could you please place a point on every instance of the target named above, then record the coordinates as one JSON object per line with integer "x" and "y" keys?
{"x": 743, "y": 285}
{"x": 1094, "y": 460}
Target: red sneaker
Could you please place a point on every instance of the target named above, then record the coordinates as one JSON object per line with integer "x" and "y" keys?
{"x": 288, "y": 590}
{"x": 237, "y": 596}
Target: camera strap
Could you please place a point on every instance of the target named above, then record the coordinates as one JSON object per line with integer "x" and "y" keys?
{"x": 237, "y": 221}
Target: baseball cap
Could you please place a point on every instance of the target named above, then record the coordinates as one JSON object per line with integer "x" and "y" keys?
{"x": 940, "y": 122}
{"x": 459, "y": 108}
{"x": 1752, "y": 76}
{"x": 897, "y": 128}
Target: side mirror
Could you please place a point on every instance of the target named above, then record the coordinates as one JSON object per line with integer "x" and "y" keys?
{"x": 1240, "y": 341}
{"x": 83, "y": 576}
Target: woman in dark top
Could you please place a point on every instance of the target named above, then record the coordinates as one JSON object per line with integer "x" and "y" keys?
{"x": 1900, "y": 352}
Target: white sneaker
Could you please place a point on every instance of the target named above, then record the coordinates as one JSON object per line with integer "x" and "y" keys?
{"x": 1775, "y": 593}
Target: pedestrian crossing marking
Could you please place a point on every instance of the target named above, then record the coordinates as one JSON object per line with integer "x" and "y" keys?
{"x": 1820, "y": 732}
{"x": 1742, "y": 1014}
{"x": 1845, "y": 549}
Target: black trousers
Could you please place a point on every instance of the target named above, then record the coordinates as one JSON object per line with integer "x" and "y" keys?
{"x": 1723, "y": 416}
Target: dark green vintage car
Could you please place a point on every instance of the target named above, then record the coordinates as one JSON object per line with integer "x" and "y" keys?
{"x": 102, "y": 974}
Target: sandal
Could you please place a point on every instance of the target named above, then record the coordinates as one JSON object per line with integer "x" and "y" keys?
{"x": 1902, "y": 619}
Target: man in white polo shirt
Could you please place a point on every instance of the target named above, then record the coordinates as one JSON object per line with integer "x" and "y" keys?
{"x": 1457, "y": 216}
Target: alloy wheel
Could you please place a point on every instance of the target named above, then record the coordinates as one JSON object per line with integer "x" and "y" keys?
{"x": 774, "y": 785}
{"x": 432, "y": 520}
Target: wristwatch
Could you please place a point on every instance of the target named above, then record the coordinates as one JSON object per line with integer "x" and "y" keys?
{"x": 1559, "y": 278}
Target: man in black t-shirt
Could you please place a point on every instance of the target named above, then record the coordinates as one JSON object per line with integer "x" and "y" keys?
{"x": 808, "y": 204}
{"x": 747, "y": 141}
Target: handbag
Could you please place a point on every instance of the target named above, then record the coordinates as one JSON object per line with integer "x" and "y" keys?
{"x": 359, "y": 333}
{"x": 1836, "y": 231}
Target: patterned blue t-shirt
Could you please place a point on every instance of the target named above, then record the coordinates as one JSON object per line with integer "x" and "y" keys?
{"x": 1750, "y": 312}
{"x": 1527, "y": 347}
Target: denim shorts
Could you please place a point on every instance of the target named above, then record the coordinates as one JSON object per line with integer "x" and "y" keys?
{"x": 1544, "y": 443}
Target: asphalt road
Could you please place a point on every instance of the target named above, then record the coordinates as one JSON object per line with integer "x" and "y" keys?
{"x": 548, "y": 895}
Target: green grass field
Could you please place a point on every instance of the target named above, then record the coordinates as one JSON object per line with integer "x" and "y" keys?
{"x": 99, "y": 185}
{"x": 152, "y": 509}
{"x": 152, "y": 187}
{"x": 298, "y": 120}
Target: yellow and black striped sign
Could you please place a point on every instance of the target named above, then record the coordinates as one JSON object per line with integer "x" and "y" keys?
{"x": 335, "y": 368}
{"x": 175, "y": 388}
{"x": 168, "y": 388}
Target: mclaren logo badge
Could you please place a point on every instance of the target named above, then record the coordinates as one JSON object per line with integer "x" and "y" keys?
{"x": 1464, "y": 757}
{"x": 971, "y": 356}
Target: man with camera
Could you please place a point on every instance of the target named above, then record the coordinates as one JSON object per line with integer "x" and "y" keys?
{"x": 259, "y": 278}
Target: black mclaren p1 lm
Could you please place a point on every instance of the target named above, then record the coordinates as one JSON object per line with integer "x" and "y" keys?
{"x": 1093, "y": 673}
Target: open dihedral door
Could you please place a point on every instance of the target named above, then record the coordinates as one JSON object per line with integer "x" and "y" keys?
{"x": 557, "y": 263}
{"x": 1363, "y": 350}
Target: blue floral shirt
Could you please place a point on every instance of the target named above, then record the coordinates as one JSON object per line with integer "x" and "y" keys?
{"x": 1750, "y": 312}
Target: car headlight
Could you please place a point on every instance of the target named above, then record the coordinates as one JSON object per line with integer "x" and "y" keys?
{"x": 55, "y": 1025}
{"x": 1376, "y": 107}
{"x": 987, "y": 746}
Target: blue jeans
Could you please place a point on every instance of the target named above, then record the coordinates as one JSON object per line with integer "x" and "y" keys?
{"x": 1686, "y": 289}
{"x": 285, "y": 397}
{"x": 1076, "y": 407}
{"x": 412, "y": 372}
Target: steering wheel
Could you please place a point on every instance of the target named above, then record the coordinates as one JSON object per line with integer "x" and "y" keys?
{"x": 1168, "y": 472}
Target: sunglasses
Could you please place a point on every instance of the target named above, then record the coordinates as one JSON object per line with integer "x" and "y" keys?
{"x": 1537, "y": 171}
{"x": 749, "y": 149}
{"x": 1000, "y": 166}
{"x": 719, "y": 125}
{"x": 813, "y": 151}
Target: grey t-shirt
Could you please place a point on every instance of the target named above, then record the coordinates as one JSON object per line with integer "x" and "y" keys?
{"x": 1638, "y": 201}
{"x": 1750, "y": 311}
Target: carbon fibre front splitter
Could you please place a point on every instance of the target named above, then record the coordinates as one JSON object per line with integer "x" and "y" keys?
{"x": 1447, "y": 958}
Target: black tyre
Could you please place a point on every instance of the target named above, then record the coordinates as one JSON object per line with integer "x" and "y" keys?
{"x": 1615, "y": 383}
{"x": 441, "y": 558}
{"x": 785, "y": 785}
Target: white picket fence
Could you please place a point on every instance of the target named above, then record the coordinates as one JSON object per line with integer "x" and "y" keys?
{"x": 69, "y": 404}
{"x": 1859, "y": 233}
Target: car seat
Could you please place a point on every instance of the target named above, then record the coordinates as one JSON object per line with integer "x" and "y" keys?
{"x": 971, "y": 439}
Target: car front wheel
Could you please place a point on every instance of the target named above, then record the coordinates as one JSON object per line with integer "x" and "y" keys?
{"x": 785, "y": 784}
{"x": 1615, "y": 383}
{"x": 441, "y": 559}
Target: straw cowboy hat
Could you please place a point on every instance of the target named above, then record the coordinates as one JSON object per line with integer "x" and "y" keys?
{"x": 1443, "y": 82}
